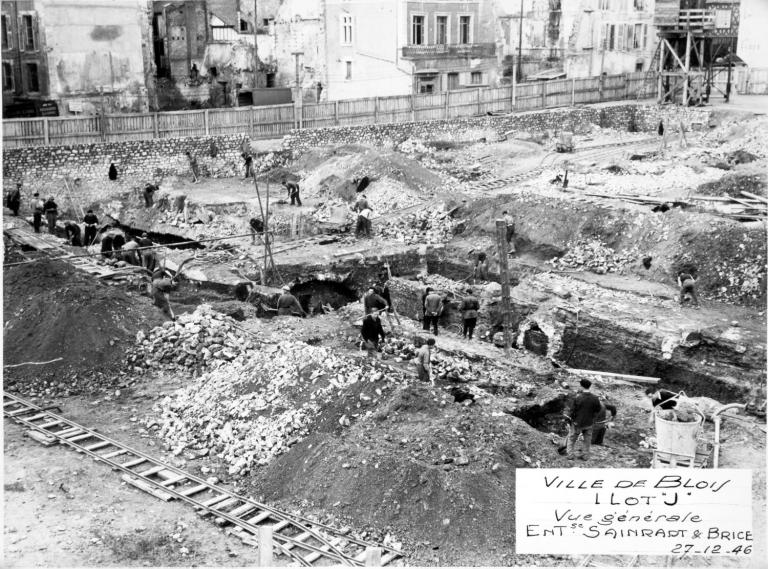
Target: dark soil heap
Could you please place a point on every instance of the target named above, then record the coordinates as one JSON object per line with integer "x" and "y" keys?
{"x": 54, "y": 311}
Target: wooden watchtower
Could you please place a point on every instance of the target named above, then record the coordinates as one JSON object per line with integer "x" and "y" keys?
{"x": 696, "y": 44}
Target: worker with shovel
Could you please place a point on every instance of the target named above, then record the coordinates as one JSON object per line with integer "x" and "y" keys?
{"x": 288, "y": 305}
{"x": 583, "y": 411}
{"x": 424, "y": 361}
{"x": 91, "y": 222}
{"x": 371, "y": 332}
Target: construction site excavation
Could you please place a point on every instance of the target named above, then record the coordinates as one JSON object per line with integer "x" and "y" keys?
{"x": 339, "y": 347}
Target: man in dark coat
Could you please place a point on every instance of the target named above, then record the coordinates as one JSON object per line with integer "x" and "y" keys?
{"x": 112, "y": 172}
{"x": 73, "y": 234}
{"x": 149, "y": 198}
{"x": 371, "y": 331}
{"x": 248, "y": 158}
{"x": 293, "y": 191}
{"x": 601, "y": 421}
{"x": 91, "y": 223}
{"x": 583, "y": 412}
{"x": 687, "y": 286}
{"x": 372, "y": 301}
{"x": 433, "y": 308}
{"x": 257, "y": 228}
{"x": 288, "y": 305}
{"x": 51, "y": 214}
{"x": 14, "y": 199}
{"x": 469, "y": 307}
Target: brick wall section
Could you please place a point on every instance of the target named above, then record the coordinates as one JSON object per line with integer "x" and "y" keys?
{"x": 578, "y": 120}
{"x": 43, "y": 168}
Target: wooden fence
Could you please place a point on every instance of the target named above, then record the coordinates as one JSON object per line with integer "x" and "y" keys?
{"x": 278, "y": 120}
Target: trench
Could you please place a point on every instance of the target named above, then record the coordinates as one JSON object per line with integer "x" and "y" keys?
{"x": 547, "y": 416}
{"x": 314, "y": 295}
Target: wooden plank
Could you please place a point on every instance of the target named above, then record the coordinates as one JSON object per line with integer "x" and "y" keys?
{"x": 194, "y": 490}
{"x": 42, "y": 438}
{"x": 98, "y": 445}
{"x": 632, "y": 378}
{"x": 148, "y": 488}
{"x": 755, "y": 197}
{"x": 150, "y": 471}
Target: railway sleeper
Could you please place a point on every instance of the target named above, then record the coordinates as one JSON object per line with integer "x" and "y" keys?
{"x": 221, "y": 505}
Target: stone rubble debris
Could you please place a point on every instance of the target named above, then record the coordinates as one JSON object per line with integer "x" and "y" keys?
{"x": 425, "y": 226}
{"x": 593, "y": 255}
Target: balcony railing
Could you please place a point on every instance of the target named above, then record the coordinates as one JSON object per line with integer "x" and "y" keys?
{"x": 450, "y": 50}
{"x": 687, "y": 19}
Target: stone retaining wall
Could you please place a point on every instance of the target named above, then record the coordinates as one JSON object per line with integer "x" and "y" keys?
{"x": 43, "y": 168}
{"x": 631, "y": 116}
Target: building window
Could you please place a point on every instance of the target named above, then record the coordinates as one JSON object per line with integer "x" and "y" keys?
{"x": 346, "y": 30}
{"x": 270, "y": 80}
{"x": 28, "y": 31}
{"x": 426, "y": 88}
{"x": 476, "y": 78}
{"x": 465, "y": 29}
{"x": 348, "y": 75}
{"x": 645, "y": 36}
{"x": 33, "y": 82}
{"x": 605, "y": 5}
{"x": 441, "y": 30}
{"x": 630, "y": 36}
{"x": 6, "y": 32}
{"x": 417, "y": 30}
{"x": 611, "y": 37}
{"x": 639, "y": 5}
{"x": 638, "y": 66}
{"x": 453, "y": 81}
{"x": 638, "y": 38}
{"x": 243, "y": 26}
{"x": 7, "y": 76}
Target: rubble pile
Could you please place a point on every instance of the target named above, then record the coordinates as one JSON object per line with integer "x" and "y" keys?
{"x": 425, "y": 226}
{"x": 197, "y": 340}
{"x": 258, "y": 406}
{"x": 592, "y": 255}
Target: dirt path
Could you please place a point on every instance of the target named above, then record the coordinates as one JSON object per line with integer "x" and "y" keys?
{"x": 63, "y": 509}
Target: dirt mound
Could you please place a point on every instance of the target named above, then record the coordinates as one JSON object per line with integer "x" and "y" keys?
{"x": 454, "y": 467}
{"x": 53, "y": 311}
{"x": 734, "y": 184}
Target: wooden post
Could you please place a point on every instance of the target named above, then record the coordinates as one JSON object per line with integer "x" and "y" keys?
{"x": 46, "y": 132}
{"x": 373, "y": 556}
{"x": 375, "y": 110}
{"x": 155, "y": 126}
{"x": 250, "y": 120}
{"x": 661, "y": 68}
{"x": 687, "y": 67}
{"x": 336, "y": 112}
{"x": 514, "y": 91}
{"x": 103, "y": 125}
{"x": 205, "y": 122}
{"x": 573, "y": 92}
{"x": 413, "y": 107}
{"x": 479, "y": 103}
{"x": 501, "y": 238}
{"x": 265, "y": 546}
{"x": 626, "y": 85}
{"x": 543, "y": 94}
{"x": 447, "y": 112}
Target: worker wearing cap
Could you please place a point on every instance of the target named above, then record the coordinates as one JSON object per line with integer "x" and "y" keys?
{"x": 293, "y": 191}
{"x": 38, "y": 207}
{"x": 433, "y": 308}
{"x": 257, "y": 228}
{"x": 51, "y": 214}
{"x": 469, "y": 307}
{"x": 161, "y": 293}
{"x": 91, "y": 221}
{"x": 288, "y": 305}
{"x": 372, "y": 331}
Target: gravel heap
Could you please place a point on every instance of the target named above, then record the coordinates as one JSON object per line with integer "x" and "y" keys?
{"x": 258, "y": 406}
{"x": 425, "y": 226}
{"x": 592, "y": 255}
{"x": 196, "y": 340}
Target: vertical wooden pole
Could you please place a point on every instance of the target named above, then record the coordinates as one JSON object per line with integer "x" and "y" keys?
{"x": 543, "y": 94}
{"x": 413, "y": 107}
{"x": 250, "y": 121}
{"x": 205, "y": 122}
{"x": 447, "y": 112}
{"x": 573, "y": 92}
{"x": 265, "y": 546}
{"x": 626, "y": 85}
{"x": 155, "y": 126}
{"x": 687, "y": 67}
{"x": 514, "y": 89}
{"x": 336, "y": 112}
{"x": 661, "y": 68}
{"x": 373, "y": 556}
{"x": 479, "y": 103}
{"x": 46, "y": 132}
{"x": 375, "y": 110}
{"x": 501, "y": 238}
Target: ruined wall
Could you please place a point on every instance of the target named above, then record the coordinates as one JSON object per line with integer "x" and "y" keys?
{"x": 96, "y": 54}
{"x": 137, "y": 162}
{"x": 624, "y": 117}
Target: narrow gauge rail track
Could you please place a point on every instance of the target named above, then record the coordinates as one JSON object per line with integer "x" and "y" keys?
{"x": 304, "y": 541}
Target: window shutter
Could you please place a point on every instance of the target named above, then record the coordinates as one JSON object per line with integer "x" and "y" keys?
{"x": 36, "y": 32}
{"x": 620, "y": 41}
{"x": 22, "y": 35}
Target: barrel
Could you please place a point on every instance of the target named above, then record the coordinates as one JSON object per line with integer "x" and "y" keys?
{"x": 676, "y": 437}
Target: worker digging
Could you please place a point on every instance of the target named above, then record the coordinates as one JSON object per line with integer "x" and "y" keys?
{"x": 346, "y": 341}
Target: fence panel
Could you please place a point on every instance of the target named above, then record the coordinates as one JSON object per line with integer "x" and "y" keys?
{"x": 319, "y": 115}
{"x": 181, "y": 123}
{"x": 496, "y": 100}
{"x": 129, "y": 127}
{"x": 272, "y": 121}
{"x": 429, "y": 107}
{"x": 23, "y": 132}
{"x": 615, "y": 87}
{"x": 587, "y": 90}
{"x": 755, "y": 81}
{"x": 229, "y": 121}
{"x": 529, "y": 96}
{"x": 463, "y": 103}
{"x": 78, "y": 130}
{"x": 395, "y": 109}
{"x": 356, "y": 111}
{"x": 557, "y": 93}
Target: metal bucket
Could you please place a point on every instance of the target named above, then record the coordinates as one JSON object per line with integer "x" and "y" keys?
{"x": 675, "y": 437}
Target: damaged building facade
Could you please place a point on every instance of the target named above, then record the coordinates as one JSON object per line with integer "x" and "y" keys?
{"x": 579, "y": 38}
{"x": 86, "y": 58}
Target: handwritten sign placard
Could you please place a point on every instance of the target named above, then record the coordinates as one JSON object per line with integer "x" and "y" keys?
{"x": 681, "y": 511}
